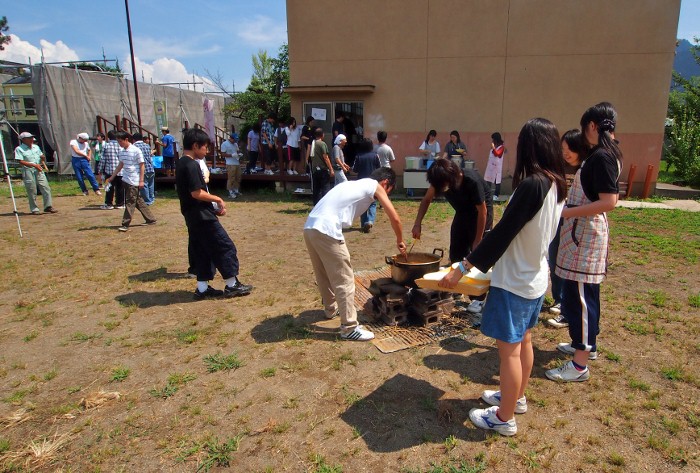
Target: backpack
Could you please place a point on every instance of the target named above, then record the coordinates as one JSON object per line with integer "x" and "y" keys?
{"x": 281, "y": 137}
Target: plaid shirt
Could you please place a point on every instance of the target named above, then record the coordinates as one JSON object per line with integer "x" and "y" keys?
{"x": 147, "y": 160}
{"x": 266, "y": 132}
{"x": 110, "y": 158}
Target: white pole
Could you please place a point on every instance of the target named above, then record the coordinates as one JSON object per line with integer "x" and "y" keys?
{"x": 9, "y": 183}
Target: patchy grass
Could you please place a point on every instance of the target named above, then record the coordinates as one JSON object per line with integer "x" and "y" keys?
{"x": 220, "y": 362}
{"x": 218, "y": 453}
{"x": 120, "y": 373}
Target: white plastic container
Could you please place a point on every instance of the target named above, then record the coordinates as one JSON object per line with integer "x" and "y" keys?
{"x": 412, "y": 162}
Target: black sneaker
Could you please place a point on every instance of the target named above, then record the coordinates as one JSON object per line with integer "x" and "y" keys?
{"x": 238, "y": 289}
{"x": 210, "y": 292}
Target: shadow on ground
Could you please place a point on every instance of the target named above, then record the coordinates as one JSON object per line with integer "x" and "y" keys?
{"x": 155, "y": 275}
{"x": 287, "y": 327}
{"x": 405, "y": 412}
{"x": 143, "y": 299}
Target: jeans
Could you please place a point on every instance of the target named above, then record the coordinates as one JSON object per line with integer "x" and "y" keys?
{"x": 320, "y": 183}
{"x": 82, "y": 169}
{"x": 340, "y": 176}
{"x": 369, "y": 215}
{"x": 252, "y": 160}
{"x": 149, "y": 188}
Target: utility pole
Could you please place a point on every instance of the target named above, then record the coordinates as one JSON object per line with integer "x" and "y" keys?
{"x": 133, "y": 64}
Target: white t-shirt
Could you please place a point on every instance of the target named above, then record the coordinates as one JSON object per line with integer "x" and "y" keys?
{"x": 339, "y": 207}
{"x": 205, "y": 170}
{"x": 131, "y": 157}
{"x": 433, "y": 148}
{"x": 386, "y": 155}
{"x": 83, "y": 147}
{"x": 293, "y": 136}
{"x": 232, "y": 149}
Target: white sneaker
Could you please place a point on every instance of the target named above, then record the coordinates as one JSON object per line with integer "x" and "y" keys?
{"x": 569, "y": 350}
{"x": 487, "y": 419}
{"x": 290, "y": 172}
{"x": 268, "y": 172}
{"x": 557, "y": 322}
{"x": 238, "y": 193}
{"x": 358, "y": 334}
{"x": 475, "y": 307}
{"x": 494, "y": 398}
{"x": 106, "y": 207}
{"x": 294, "y": 173}
{"x": 567, "y": 373}
{"x": 555, "y": 309}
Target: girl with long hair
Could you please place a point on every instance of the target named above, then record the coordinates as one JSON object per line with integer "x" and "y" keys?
{"x": 430, "y": 147}
{"x": 516, "y": 249}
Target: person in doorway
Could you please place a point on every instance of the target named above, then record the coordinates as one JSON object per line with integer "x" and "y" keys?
{"x": 281, "y": 147}
{"x": 81, "y": 155}
{"x": 229, "y": 150}
{"x": 321, "y": 168}
{"x": 574, "y": 149}
{"x": 366, "y": 162}
{"x": 307, "y": 139}
{"x": 97, "y": 147}
{"x": 330, "y": 259}
{"x": 430, "y": 147}
{"x": 114, "y": 193}
{"x": 267, "y": 142}
{"x": 209, "y": 246}
{"x": 34, "y": 168}
{"x": 466, "y": 192}
{"x": 296, "y": 165}
{"x": 494, "y": 166}
{"x": 384, "y": 151}
{"x": 167, "y": 142}
{"x": 339, "y": 166}
{"x": 582, "y": 260}
{"x": 517, "y": 250}
{"x": 132, "y": 162}
{"x": 338, "y": 127}
{"x": 148, "y": 192}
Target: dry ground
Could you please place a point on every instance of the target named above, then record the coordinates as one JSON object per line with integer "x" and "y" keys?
{"x": 85, "y": 309}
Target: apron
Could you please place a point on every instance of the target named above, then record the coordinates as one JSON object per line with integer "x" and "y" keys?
{"x": 494, "y": 168}
{"x": 583, "y": 246}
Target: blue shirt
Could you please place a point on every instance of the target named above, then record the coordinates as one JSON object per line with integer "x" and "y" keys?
{"x": 168, "y": 141}
{"x": 266, "y": 132}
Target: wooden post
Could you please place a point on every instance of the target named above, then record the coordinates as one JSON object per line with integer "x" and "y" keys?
{"x": 117, "y": 122}
{"x": 647, "y": 182}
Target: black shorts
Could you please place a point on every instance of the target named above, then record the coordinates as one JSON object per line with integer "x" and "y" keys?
{"x": 168, "y": 162}
{"x": 270, "y": 155}
{"x": 294, "y": 154}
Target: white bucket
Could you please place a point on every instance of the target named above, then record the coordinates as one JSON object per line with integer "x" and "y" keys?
{"x": 412, "y": 162}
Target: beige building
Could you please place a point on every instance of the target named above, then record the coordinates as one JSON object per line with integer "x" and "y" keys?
{"x": 408, "y": 66}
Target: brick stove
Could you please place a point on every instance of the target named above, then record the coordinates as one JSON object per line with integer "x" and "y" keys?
{"x": 395, "y": 304}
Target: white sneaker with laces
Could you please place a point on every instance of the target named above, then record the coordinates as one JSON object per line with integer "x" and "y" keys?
{"x": 358, "y": 334}
{"x": 488, "y": 420}
{"x": 475, "y": 307}
{"x": 569, "y": 350}
{"x": 555, "y": 309}
{"x": 557, "y": 322}
{"x": 494, "y": 398}
{"x": 567, "y": 373}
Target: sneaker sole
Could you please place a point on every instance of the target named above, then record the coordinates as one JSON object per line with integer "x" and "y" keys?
{"x": 473, "y": 418}
{"x": 555, "y": 324}
{"x": 236, "y": 294}
{"x": 519, "y": 409}
{"x": 562, "y": 380}
{"x": 591, "y": 355}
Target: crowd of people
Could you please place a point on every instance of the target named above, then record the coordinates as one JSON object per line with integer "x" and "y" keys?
{"x": 545, "y": 232}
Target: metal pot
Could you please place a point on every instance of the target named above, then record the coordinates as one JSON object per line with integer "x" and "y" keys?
{"x": 405, "y": 272}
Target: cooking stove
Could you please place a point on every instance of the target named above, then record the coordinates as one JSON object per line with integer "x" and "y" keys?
{"x": 395, "y": 304}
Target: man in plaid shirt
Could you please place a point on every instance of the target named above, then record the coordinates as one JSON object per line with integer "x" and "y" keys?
{"x": 148, "y": 192}
{"x": 267, "y": 142}
{"x": 108, "y": 164}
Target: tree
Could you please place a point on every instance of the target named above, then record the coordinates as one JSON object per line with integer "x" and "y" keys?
{"x": 4, "y": 39}
{"x": 265, "y": 93}
{"x": 682, "y": 144}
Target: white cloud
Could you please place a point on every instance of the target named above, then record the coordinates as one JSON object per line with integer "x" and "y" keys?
{"x": 23, "y": 51}
{"x": 263, "y": 31}
{"x": 166, "y": 70}
{"x": 152, "y": 48}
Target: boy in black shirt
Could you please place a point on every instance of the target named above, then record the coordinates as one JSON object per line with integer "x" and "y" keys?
{"x": 210, "y": 247}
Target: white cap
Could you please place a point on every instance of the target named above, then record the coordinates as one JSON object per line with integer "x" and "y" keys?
{"x": 25, "y": 134}
{"x": 83, "y": 136}
{"x": 339, "y": 138}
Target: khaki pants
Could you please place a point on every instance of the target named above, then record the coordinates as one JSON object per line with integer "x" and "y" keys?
{"x": 336, "y": 281}
{"x": 234, "y": 177}
{"x": 36, "y": 180}
{"x": 132, "y": 201}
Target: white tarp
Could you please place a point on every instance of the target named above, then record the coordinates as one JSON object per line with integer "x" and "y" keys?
{"x": 69, "y": 100}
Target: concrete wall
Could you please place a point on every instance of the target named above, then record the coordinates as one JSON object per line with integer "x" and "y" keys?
{"x": 480, "y": 67}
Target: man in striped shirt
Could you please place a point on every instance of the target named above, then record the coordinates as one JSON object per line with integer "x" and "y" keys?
{"x": 148, "y": 192}
{"x": 108, "y": 164}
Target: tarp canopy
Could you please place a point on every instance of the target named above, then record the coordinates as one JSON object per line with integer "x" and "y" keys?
{"x": 69, "y": 100}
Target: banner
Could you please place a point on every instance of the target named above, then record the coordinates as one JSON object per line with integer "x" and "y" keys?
{"x": 208, "y": 106}
{"x": 161, "y": 112}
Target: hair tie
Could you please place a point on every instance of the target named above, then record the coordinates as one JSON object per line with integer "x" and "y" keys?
{"x": 607, "y": 125}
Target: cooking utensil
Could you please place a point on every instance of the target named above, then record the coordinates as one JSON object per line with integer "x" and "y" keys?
{"x": 405, "y": 272}
{"x": 410, "y": 249}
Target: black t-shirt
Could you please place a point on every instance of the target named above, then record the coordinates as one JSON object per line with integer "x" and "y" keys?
{"x": 307, "y": 132}
{"x": 599, "y": 174}
{"x": 339, "y": 127}
{"x": 189, "y": 178}
{"x": 469, "y": 194}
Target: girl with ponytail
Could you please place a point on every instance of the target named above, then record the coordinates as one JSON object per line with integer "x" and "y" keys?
{"x": 582, "y": 259}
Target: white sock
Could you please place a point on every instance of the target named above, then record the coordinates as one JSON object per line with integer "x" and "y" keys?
{"x": 230, "y": 282}
{"x": 202, "y": 285}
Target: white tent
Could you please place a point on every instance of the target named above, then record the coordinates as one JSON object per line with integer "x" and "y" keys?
{"x": 68, "y": 101}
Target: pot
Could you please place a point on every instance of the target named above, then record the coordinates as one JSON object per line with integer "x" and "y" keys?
{"x": 405, "y": 272}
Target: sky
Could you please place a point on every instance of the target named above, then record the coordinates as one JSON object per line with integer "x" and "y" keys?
{"x": 175, "y": 39}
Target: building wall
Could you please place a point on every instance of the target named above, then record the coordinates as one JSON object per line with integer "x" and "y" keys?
{"x": 480, "y": 67}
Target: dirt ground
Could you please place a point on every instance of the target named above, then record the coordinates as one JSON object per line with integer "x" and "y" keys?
{"x": 85, "y": 309}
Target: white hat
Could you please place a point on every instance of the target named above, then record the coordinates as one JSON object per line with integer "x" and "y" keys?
{"x": 164, "y": 128}
{"x": 339, "y": 138}
{"x": 83, "y": 136}
{"x": 25, "y": 134}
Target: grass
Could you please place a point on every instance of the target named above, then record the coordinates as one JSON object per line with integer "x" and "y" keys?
{"x": 268, "y": 372}
{"x": 218, "y": 453}
{"x": 321, "y": 466}
{"x": 31, "y": 336}
{"x": 120, "y": 373}
{"x": 51, "y": 374}
{"x": 4, "y": 445}
{"x": 220, "y": 362}
{"x": 173, "y": 384}
{"x": 694, "y": 300}
{"x": 83, "y": 337}
{"x": 187, "y": 336}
